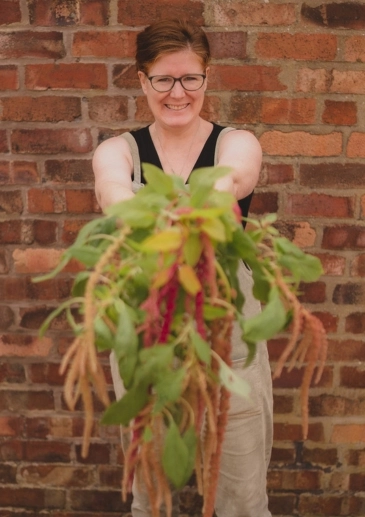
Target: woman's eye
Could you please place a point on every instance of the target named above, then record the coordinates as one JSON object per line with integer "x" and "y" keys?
{"x": 190, "y": 78}
{"x": 164, "y": 79}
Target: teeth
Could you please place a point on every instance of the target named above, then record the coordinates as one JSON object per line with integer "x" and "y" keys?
{"x": 177, "y": 108}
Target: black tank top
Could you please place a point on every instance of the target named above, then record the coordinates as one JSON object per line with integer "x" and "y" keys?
{"x": 148, "y": 154}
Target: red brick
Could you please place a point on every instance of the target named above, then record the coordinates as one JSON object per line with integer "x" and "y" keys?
{"x": 357, "y": 267}
{"x": 304, "y": 47}
{"x": 282, "y": 455}
{"x": 231, "y": 45}
{"x": 9, "y": 79}
{"x": 107, "y": 109}
{"x": 355, "y": 145}
{"x": 56, "y": 289}
{"x": 4, "y": 262}
{"x": 282, "y": 504}
{"x": 347, "y": 81}
{"x": 22, "y": 345}
{"x": 345, "y": 350}
{"x": 356, "y": 457}
{"x": 301, "y": 143}
{"x": 125, "y": 76}
{"x": 7, "y": 317}
{"x": 69, "y": 171}
{"x": 5, "y": 172}
{"x": 348, "y": 433}
{"x": 293, "y": 379}
{"x": 49, "y": 373}
{"x": 315, "y": 80}
{"x": 211, "y": 107}
{"x": 350, "y": 293}
{"x": 333, "y": 265}
{"x": 136, "y": 13}
{"x": 25, "y": 172}
{"x": 10, "y": 426}
{"x": 283, "y": 404}
{"x": 31, "y": 498}
{"x": 245, "y": 109}
{"x": 332, "y": 175}
{"x": 320, "y": 505}
{"x": 253, "y": 13}
{"x": 4, "y": 148}
{"x": 319, "y": 205}
{"x": 45, "y": 232}
{"x": 357, "y": 482}
{"x": 301, "y": 232}
{"x": 335, "y": 406}
{"x": 355, "y": 49}
{"x": 71, "y": 229}
{"x": 96, "y": 501}
{"x": 41, "y": 201}
{"x": 10, "y": 232}
{"x": 10, "y": 12}
{"x": 50, "y": 13}
{"x": 40, "y": 109}
{"x": 344, "y": 15}
{"x": 36, "y": 260}
{"x": 26, "y": 400}
{"x": 343, "y": 237}
{"x": 120, "y": 44}
{"x": 355, "y": 323}
{"x": 288, "y": 111}
{"x": 290, "y": 480}
{"x": 276, "y": 173}
{"x": 245, "y": 78}
{"x": 33, "y": 318}
{"x": 32, "y": 44}
{"x": 328, "y": 320}
{"x": 293, "y": 432}
{"x": 340, "y": 112}
{"x": 352, "y": 377}
{"x": 51, "y": 141}
{"x": 110, "y": 476}
{"x": 57, "y": 475}
{"x": 264, "y": 202}
{"x": 11, "y": 450}
{"x": 319, "y": 456}
{"x": 66, "y": 76}
{"x": 11, "y": 202}
{"x": 143, "y": 112}
{"x": 99, "y": 453}
{"x": 81, "y": 201}
{"x": 315, "y": 292}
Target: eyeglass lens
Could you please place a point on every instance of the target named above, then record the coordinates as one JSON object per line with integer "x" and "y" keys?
{"x": 164, "y": 83}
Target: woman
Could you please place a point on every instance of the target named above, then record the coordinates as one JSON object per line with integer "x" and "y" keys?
{"x": 172, "y": 62}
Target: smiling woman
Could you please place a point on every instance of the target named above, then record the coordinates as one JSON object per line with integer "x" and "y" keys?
{"x": 173, "y": 68}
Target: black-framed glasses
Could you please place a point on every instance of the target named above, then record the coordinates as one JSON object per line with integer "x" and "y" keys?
{"x": 165, "y": 83}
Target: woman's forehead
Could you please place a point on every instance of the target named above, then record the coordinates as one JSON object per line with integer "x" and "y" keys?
{"x": 182, "y": 61}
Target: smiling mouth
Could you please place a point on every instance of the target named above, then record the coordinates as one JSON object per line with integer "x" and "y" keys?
{"x": 176, "y": 108}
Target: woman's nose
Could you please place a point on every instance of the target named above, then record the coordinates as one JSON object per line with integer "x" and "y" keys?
{"x": 177, "y": 90}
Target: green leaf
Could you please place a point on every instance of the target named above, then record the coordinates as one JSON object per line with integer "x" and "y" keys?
{"x": 135, "y": 216}
{"x": 215, "y": 229}
{"x": 128, "y": 407}
{"x": 104, "y": 338}
{"x": 164, "y": 241}
{"x": 269, "y": 322}
{"x": 157, "y": 179}
{"x": 206, "y": 177}
{"x": 88, "y": 255}
{"x": 202, "y": 348}
{"x": 169, "y": 388}
{"x": 231, "y": 380}
{"x": 189, "y": 280}
{"x": 126, "y": 345}
{"x": 176, "y": 457}
{"x": 211, "y": 313}
{"x": 79, "y": 285}
{"x": 192, "y": 249}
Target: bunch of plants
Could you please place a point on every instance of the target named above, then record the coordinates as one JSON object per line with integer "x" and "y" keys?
{"x": 160, "y": 290}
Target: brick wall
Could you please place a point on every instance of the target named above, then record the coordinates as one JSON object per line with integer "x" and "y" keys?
{"x": 290, "y": 71}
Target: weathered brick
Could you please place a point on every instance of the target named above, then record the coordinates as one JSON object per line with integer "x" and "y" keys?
{"x": 264, "y": 202}
{"x": 40, "y": 109}
{"x": 282, "y": 504}
{"x": 26, "y": 400}
{"x": 304, "y": 47}
{"x": 283, "y": 404}
{"x": 331, "y": 405}
{"x": 81, "y": 201}
{"x": 31, "y": 498}
{"x": 51, "y": 141}
{"x": 357, "y": 267}
{"x": 42, "y": 201}
{"x": 347, "y": 81}
{"x": 301, "y": 143}
{"x": 120, "y": 44}
{"x": 211, "y": 107}
{"x": 10, "y": 12}
{"x": 32, "y": 44}
{"x": 333, "y": 265}
{"x": 5, "y": 173}
{"x": 11, "y": 426}
{"x": 342, "y": 237}
{"x": 273, "y": 173}
{"x": 290, "y": 480}
{"x": 352, "y": 377}
{"x": 97, "y": 501}
{"x": 344, "y": 15}
{"x": 293, "y": 379}
{"x": 230, "y": 44}
{"x": 99, "y": 453}
{"x": 282, "y": 455}
{"x": 33, "y": 260}
{"x": 22, "y": 345}
{"x": 44, "y": 232}
{"x": 8, "y": 474}
{"x": 320, "y": 505}
{"x": 47, "y": 451}
{"x": 245, "y": 78}
{"x": 107, "y": 109}
{"x": 355, "y": 49}
{"x": 345, "y": 350}
{"x": 253, "y": 13}
{"x": 293, "y": 432}
{"x": 319, "y": 205}
{"x": 11, "y": 202}
{"x": 135, "y": 13}
{"x": 355, "y": 323}
{"x": 357, "y": 482}
{"x": 355, "y": 145}
{"x": 25, "y": 172}
{"x": 356, "y": 457}
{"x": 9, "y": 79}
{"x": 143, "y": 112}
{"x": 71, "y": 229}
{"x": 7, "y": 317}
{"x": 319, "y": 456}
{"x": 288, "y": 111}
{"x": 332, "y": 175}
{"x": 125, "y": 76}
{"x": 38, "y": 428}
{"x": 314, "y": 292}
{"x": 50, "y": 13}
{"x": 66, "y": 76}
{"x": 316, "y": 80}
{"x": 328, "y": 320}
{"x": 69, "y": 171}
{"x": 58, "y": 475}
{"x": 10, "y": 232}
{"x": 12, "y": 373}
{"x": 54, "y": 289}
{"x": 245, "y": 109}
{"x": 349, "y": 294}
{"x": 301, "y": 233}
{"x": 49, "y": 373}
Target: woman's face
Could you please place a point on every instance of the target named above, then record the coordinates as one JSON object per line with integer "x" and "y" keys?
{"x": 177, "y": 107}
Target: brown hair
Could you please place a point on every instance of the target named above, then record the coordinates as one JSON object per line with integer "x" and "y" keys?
{"x": 169, "y": 36}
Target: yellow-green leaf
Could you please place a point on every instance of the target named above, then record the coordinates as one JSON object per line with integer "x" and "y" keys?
{"x": 192, "y": 249}
{"x": 167, "y": 240}
{"x": 189, "y": 280}
{"x": 215, "y": 229}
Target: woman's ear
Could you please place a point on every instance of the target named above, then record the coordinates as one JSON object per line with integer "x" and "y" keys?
{"x": 143, "y": 80}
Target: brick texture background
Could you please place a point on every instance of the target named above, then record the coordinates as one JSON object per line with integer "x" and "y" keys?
{"x": 290, "y": 71}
